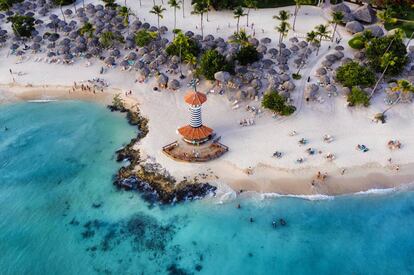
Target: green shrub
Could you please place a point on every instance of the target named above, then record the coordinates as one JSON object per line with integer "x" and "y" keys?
{"x": 277, "y": 103}
{"x": 63, "y": 2}
{"x": 358, "y": 97}
{"x": 189, "y": 46}
{"x": 8, "y": 4}
{"x": 22, "y": 25}
{"x": 144, "y": 37}
{"x": 353, "y": 74}
{"x": 397, "y": 52}
{"x": 247, "y": 54}
{"x": 296, "y": 76}
{"x": 356, "y": 43}
{"x": 211, "y": 62}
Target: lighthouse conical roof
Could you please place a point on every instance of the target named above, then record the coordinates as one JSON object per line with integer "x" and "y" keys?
{"x": 195, "y": 98}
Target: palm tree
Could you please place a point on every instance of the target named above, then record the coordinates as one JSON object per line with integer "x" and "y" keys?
{"x": 311, "y": 37}
{"x": 237, "y": 13}
{"x": 386, "y": 16}
{"x": 403, "y": 87}
{"x": 283, "y": 30}
{"x": 182, "y": 41}
{"x": 249, "y": 4}
{"x": 298, "y": 5}
{"x": 322, "y": 32}
{"x": 176, "y": 5}
{"x": 87, "y": 29}
{"x": 107, "y": 39}
{"x": 182, "y": 3}
{"x": 191, "y": 60}
{"x": 387, "y": 60}
{"x": 240, "y": 38}
{"x": 208, "y": 5}
{"x": 200, "y": 8}
{"x": 283, "y": 16}
{"x": 158, "y": 10}
{"x": 125, "y": 12}
{"x": 337, "y": 18}
{"x": 61, "y": 10}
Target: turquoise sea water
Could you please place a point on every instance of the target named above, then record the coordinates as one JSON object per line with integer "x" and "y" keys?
{"x": 60, "y": 214}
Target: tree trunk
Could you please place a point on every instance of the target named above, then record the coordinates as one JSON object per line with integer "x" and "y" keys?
{"x": 409, "y": 40}
{"x": 140, "y": 3}
{"x": 238, "y": 21}
{"x": 319, "y": 45}
{"x": 378, "y": 81}
{"x": 294, "y": 17}
{"x": 207, "y": 15}
{"x": 74, "y": 6}
{"x": 247, "y": 17}
{"x": 83, "y": 4}
{"x": 61, "y": 10}
{"x": 334, "y": 31}
{"x": 280, "y": 44}
{"x": 183, "y": 7}
{"x": 181, "y": 71}
{"x": 201, "y": 26}
{"x": 175, "y": 17}
{"x": 158, "y": 18}
{"x": 392, "y": 105}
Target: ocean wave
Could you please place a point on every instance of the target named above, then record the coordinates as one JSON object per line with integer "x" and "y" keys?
{"x": 316, "y": 197}
{"x": 384, "y": 191}
{"x": 41, "y": 100}
{"x": 226, "y": 194}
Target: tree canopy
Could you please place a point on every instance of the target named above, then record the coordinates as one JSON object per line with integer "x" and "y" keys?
{"x": 247, "y": 54}
{"x": 7, "y": 4}
{"x": 358, "y": 97}
{"x": 144, "y": 37}
{"x": 353, "y": 74}
{"x": 392, "y": 45}
{"x": 277, "y": 103}
{"x": 211, "y": 62}
{"x": 22, "y": 25}
{"x": 187, "y": 44}
{"x": 63, "y": 2}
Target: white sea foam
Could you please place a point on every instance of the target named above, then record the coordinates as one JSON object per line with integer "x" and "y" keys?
{"x": 225, "y": 193}
{"x": 316, "y": 197}
{"x": 42, "y": 100}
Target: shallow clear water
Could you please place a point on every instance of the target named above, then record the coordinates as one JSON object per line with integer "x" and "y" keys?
{"x": 60, "y": 214}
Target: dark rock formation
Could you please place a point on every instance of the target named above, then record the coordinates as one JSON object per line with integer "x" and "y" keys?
{"x": 365, "y": 14}
{"x": 151, "y": 183}
{"x": 354, "y": 27}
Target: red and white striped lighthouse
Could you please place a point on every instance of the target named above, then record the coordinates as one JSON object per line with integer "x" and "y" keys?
{"x": 195, "y": 132}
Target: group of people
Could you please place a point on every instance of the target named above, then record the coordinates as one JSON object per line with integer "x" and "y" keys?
{"x": 319, "y": 178}
{"x": 83, "y": 88}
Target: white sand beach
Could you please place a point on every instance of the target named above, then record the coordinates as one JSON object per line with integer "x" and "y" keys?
{"x": 249, "y": 165}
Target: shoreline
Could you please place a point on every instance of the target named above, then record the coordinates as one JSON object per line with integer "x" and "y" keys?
{"x": 262, "y": 178}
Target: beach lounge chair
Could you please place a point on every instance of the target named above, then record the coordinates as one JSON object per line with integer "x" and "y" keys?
{"x": 362, "y": 148}
{"x": 277, "y": 154}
